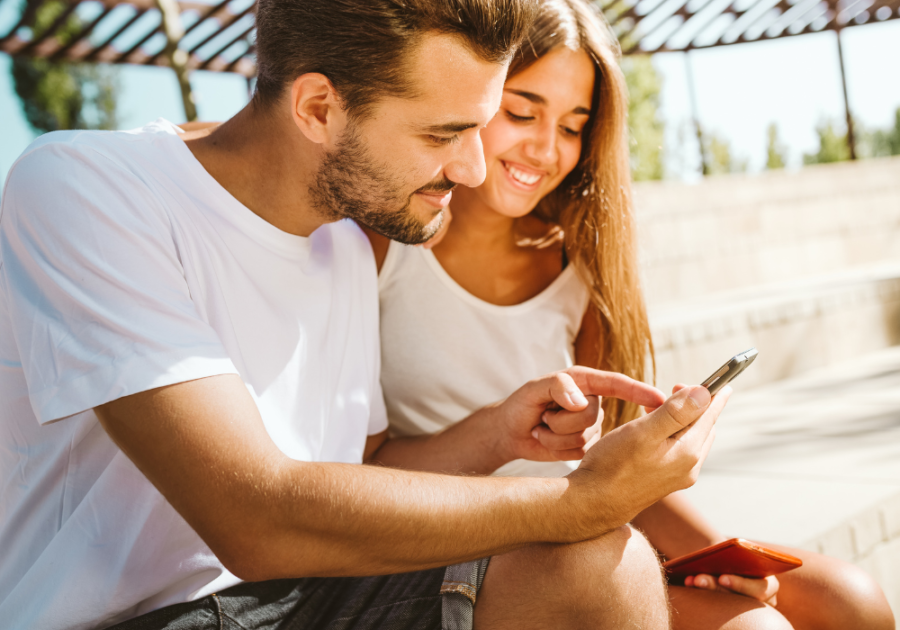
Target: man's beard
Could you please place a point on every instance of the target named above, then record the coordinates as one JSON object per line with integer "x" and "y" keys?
{"x": 349, "y": 184}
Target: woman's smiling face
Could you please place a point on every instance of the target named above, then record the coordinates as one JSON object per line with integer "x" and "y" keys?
{"x": 534, "y": 141}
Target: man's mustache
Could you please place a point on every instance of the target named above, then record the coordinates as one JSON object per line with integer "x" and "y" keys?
{"x": 444, "y": 185}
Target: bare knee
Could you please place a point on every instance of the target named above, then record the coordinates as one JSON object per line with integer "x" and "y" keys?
{"x": 830, "y": 594}
{"x": 622, "y": 560}
{"x": 856, "y": 597}
{"x": 763, "y": 618}
{"x": 696, "y": 609}
{"x": 613, "y": 581}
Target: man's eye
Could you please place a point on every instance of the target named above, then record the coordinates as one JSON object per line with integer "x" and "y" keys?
{"x": 571, "y": 132}
{"x": 443, "y": 140}
{"x": 516, "y": 118}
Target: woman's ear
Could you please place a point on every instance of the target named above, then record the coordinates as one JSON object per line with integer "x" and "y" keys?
{"x": 316, "y": 108}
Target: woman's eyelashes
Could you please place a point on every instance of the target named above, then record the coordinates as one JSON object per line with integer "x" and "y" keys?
{"x": 569, "y": 131}
{"x": 517, "y": 118}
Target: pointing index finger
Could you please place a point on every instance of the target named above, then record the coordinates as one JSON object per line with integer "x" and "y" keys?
{"x": 614, "y": 385}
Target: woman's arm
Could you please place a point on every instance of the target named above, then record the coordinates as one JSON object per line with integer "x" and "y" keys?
{"x": 587, "y": 343}
{"x": 675, "y": 527}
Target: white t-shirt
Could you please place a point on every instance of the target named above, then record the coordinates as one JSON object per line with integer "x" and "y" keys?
{"x": 124, "y": 267}
{"x": 446, "y": 353}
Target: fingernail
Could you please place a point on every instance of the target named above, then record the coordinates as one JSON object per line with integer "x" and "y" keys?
{"x": 535, "y": 434}
{"x": 699, "y": 397}
{"x": 577, "y": 398}
{"x": 725, "y": 580}
{"x": 701, "y": 582}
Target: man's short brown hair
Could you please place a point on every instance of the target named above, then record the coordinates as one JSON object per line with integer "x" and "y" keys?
{"x": 362, "y": 46}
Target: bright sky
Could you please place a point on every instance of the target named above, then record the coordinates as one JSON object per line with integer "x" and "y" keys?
{"x": 794, "y": 82}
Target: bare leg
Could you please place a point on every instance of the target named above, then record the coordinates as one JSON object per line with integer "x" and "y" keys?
{"x": 830, "y": 594}
{"x": 611, "y": 582}
{"x": 698, "y": 609}
{"x": 823, "y": 594}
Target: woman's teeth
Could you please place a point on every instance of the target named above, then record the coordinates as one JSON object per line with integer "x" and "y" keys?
{"x": 522, "y": 177}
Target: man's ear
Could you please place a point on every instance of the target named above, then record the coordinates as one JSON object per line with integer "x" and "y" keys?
{"x": 316, "y": 108}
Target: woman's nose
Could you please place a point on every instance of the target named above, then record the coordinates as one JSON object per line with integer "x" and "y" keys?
{"x": 542, "y": 147}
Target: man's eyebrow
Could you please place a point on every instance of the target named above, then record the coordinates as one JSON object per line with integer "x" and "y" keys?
{"x": 448, "y": 127}
{"x": 537, "y": 99}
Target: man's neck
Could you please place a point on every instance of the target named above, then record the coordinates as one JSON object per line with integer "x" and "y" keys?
{"x": 263, "y": 161}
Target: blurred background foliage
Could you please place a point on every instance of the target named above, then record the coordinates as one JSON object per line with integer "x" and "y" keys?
{"x": 645, "y": 128}
{"x": 59, "y": 95}
{"x": 870, "y": 143}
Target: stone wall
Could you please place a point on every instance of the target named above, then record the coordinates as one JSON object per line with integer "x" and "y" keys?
{"x": 803, "y": 265}
{"x": 739, "y": 231}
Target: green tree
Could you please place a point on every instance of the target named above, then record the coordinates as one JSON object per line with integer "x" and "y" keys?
{"x": 645, "y": 129}
{"x": 63, "y": 95}
{"x": 776, "y": 152}
{"x": 881, "y": 142}
{"x": 894, "y": 136}
{"x": 717, "y": 156}
{"x": 833, "y": 146}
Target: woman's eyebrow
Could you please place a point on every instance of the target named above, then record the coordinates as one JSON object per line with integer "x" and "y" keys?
{"x": 537, "y": 99}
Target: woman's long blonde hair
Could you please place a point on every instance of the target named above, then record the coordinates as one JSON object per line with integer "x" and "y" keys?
{"x": 593, "y": 204}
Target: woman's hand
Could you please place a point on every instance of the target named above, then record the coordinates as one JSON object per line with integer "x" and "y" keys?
{"x": 567, "y": 435}
{"x": 558, "y": 416}
{"x": 764, "y": 589}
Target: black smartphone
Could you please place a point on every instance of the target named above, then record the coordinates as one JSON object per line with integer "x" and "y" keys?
{"x": 737, "y": 364}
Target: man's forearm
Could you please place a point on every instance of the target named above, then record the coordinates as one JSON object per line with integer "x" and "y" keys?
{"x": 339, "y": 519}
{"x": 267, "y": 516}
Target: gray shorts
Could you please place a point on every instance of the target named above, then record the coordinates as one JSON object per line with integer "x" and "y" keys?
{"x": 435, "y": 599}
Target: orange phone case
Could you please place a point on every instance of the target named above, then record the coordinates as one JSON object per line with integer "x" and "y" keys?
{"x": 733, "y": 557}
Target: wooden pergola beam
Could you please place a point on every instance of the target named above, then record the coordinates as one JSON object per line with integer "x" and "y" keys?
{"x": 636, "y": 22}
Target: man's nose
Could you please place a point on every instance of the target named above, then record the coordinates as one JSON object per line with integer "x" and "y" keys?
{"x": 468, "y": 167}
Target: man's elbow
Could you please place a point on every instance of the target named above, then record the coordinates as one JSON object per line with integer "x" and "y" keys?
{"x": 266, "y": 556}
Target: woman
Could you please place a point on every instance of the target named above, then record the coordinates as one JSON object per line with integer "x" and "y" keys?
{"x": 538, "y": 271}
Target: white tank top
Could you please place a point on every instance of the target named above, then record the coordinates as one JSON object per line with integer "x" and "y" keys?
{"x": 446, "y": 353}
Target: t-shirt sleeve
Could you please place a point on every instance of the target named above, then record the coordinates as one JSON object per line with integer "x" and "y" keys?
{"x": 378, "y": 421}
{"x": 93, "y": 280}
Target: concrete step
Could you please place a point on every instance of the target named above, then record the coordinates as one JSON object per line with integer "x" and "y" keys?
{"x": 797, "y": 325}
{"x": 814, "y": 462}
{"x": 738, "y": 231}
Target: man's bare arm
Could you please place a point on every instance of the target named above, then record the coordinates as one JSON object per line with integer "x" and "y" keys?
{"x": 203, "y": 445}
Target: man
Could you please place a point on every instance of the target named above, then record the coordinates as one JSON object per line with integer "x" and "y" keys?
{"x": 189, "y": 354}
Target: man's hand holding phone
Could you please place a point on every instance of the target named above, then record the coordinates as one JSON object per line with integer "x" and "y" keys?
{"x": 639, "y": 463}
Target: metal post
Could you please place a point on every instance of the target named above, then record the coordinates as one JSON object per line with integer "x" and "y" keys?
{"x": 851, "y": 139}
{"x": 692, "y": 97}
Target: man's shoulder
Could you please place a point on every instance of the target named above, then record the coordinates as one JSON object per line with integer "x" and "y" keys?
{"x": 352, "y": 243}
{"x": 61, "y": 154}
{"x": 84, "y": 176}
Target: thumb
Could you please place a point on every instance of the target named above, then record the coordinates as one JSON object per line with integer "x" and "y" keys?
{"x": 680, "y": 411}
